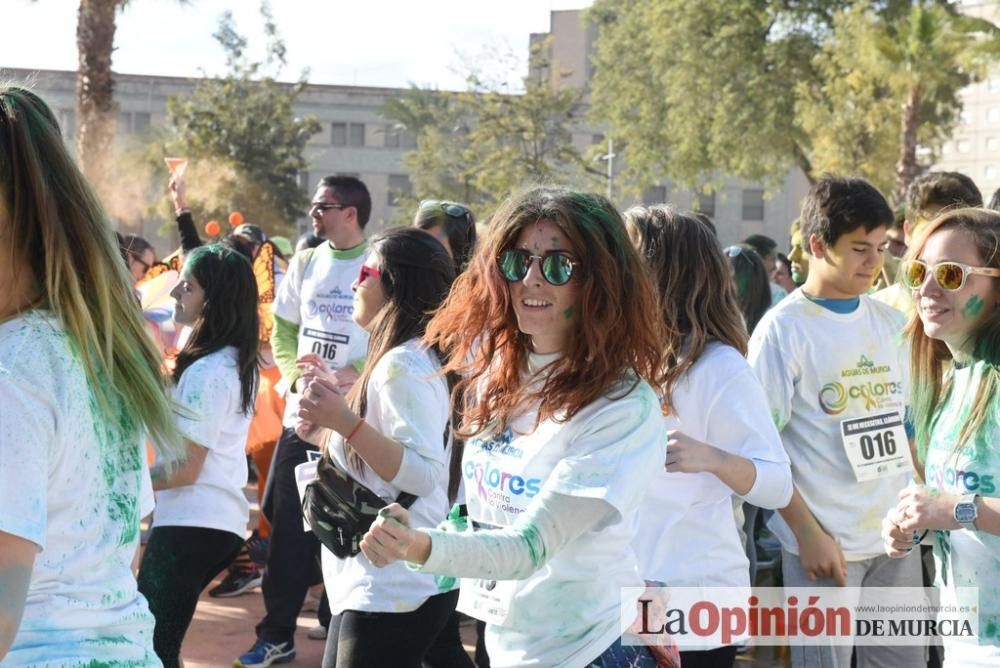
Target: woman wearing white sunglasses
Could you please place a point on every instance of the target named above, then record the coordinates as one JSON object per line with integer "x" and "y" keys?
{"x": 954, "y": 272}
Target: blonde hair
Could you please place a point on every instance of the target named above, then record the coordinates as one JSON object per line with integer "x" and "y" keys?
{"x": 59, "y": 232}
{"x": 931, "y": 357}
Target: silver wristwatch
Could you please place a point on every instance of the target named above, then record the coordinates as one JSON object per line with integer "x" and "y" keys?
{"x": 966, "y": 512}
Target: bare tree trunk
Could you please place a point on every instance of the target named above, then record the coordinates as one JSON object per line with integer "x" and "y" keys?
{"x": 907, "y": 168}
{"x": 96, "y": 109}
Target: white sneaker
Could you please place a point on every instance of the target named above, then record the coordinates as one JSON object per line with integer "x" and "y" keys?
{"x": 316, "y": 633}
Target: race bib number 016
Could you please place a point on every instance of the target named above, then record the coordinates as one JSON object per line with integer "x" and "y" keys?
{"x": 324, "y": 344}
{"x": 876, "y": 446}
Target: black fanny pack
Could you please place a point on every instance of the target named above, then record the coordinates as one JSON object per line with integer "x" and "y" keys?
{"x": 341, "y": 510}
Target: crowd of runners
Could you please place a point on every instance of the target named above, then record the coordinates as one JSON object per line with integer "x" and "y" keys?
{"x": 554, "y": 408}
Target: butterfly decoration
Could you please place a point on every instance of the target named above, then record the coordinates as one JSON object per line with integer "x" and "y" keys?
{"x": 172, "y": 262}
{"x": 264, "y": 270}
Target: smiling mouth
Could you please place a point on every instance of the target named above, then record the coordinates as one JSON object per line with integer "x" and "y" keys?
{"x": 535, "y": 303}
{"x": 933, "y": 311}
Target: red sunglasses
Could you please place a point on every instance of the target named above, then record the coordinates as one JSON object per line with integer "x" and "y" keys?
{"x": 367, "y": 272}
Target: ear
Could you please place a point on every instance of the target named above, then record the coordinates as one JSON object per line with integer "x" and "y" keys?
{"x": 817, "y": 247}
{"x": 907, "y": 232}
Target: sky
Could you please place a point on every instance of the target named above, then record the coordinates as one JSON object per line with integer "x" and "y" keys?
{"x": 355, "y": 42}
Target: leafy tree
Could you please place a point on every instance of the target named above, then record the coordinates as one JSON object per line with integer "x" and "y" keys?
{"x": 752, "y": 87}
{"x": 480, "y": 145}
{"x": 243, "y": 126}
{"x": 689, "y": 90}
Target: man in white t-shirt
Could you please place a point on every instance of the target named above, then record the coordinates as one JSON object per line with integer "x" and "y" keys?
{"x": 312, "y": 315}
{"x": 836, "y": 375}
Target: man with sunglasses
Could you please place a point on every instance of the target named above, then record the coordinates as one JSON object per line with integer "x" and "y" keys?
{"x": 313, "y": 316}
{"x": 836, "y": 375}
{"x": 927, "y": 196}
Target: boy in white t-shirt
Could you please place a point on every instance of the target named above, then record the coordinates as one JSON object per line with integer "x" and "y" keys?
{"x": 836, "y": 374}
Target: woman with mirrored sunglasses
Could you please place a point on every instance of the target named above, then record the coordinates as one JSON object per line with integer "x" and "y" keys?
{"x": 722, "y": 443}
{"x": 557, "y": 356}
{"x": 954, "y": 272}
{"x": 453, "y": 225}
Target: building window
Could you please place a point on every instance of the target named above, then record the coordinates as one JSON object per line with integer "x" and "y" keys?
{"x": 399, "y": 186}
{"x": 338, "y": 134}
{"x": 753, "y": 204}
{"x": 303, "y": 181}
{"x": 67, "y": 122}
{"x": 140, "y": 121}
{"x": 407, "y": 139}
{"x": 990, "y": 172}
{"x": 994, "y": 85}
{"x": 705, "y": 202}
{"x": 992, "y": 144}
{"x": 655, "y": 195}
{"x": 993, "y": 114}
{"x": 391, "y": 136}
{"x": 964, "y": 146}
{"x": 965, "y": 117}
{"x": 356, "y": 134}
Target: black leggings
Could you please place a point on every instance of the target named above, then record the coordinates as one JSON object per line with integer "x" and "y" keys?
{"x": 399, "y": 639}
{"x": 178, "y": 564}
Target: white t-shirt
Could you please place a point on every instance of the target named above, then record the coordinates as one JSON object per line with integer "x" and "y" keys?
{"x": 409, "y": 403}
{"x": 76, "y": 485}
{"x": 819, "y": 368}
{"x": 968, "y": 558}
{"x": 316, "y": 295}
{"x": 209, "y": 391}
{"x": 719, "y": 401}
{"x": 567, "y": 612}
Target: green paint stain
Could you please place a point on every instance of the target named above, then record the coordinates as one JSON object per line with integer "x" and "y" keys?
{"x": 973, "y": 308}
{"x": 533, "y": 541}
{"x": 568, "y": 313}
{"x": 991, "y": 630}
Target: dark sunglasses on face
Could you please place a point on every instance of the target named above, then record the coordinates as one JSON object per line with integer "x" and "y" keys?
{"x": 950, "y": 276}
{"x": 557, "y": 266}
{"x": 367, "y": 272}
{"x": 450, "y": 208}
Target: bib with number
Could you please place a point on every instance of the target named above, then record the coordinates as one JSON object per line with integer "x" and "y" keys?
{"x": 876, "y": 446}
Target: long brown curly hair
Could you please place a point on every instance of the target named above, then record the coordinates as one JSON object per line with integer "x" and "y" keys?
{"x": 619, "y": 337}
{"x": 697, "y": 293}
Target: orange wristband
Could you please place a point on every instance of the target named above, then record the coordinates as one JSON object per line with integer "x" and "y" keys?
{"x": 347, "y": 439}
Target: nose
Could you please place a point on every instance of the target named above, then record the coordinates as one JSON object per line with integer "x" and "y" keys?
{"x": 534, "y": 274}
{"x": 354, "y": 285}
{"x": 175, "y": 292}
{"x": 929, "y": 287}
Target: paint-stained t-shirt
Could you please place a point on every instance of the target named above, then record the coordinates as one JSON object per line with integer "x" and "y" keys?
{"x": 820, "y": 369}
{"x": 567, "y": 612}
{"x": 76, "y": 484}
{"x": 968, "y": 558}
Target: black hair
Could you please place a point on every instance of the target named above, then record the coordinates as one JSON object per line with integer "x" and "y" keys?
{"x": 944, "y": 190}
{"x": 783, "y": 260}
{"x": 460, "y": 230}
{"x": 994, "y": 204}
{"x": 308, "y": 241}
{"x": 416, "y": 275}
{"x": 133, "y": 245}
{"x": 763, "y": 244}
{"x": 753, "y": 287}
{"x": 838, "y": 205}
{"x": 351, "y": 191}
{"x": 229, "y": 315}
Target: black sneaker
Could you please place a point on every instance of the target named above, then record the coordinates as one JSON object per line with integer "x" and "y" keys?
{"x": 238, "y": 581}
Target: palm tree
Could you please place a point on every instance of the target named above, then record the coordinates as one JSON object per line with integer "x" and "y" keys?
{"x": 932, "y": 51}
{"x": 95, "y": 106}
